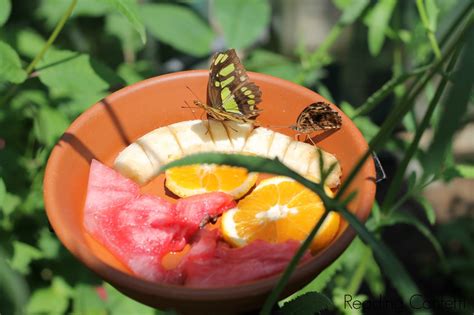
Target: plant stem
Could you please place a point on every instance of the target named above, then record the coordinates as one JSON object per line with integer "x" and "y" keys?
{"x": 426, "y": 24}
{"x": 52, "y": 37}
{"x": 47, "y": 45}
{"x": 398, "y": 178}
{"x": 359, "y": 273}
{"x": 400, "y": 110}
{"x": 273, "y": 298}
{"x": 385, "y": 90}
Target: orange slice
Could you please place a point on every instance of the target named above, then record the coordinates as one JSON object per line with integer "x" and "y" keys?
{"x": 279, "y": 209}
{"x": 190, "y": 180}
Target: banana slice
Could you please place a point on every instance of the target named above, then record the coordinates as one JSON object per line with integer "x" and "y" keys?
{"x": 160, "y": 146}
{"x": 259, "y": 141}
{"x": 314, "y": 170}
{"x": 193, "y": 136}
{"x": 298, "y": 156}
{"x": 219, "y": 136}
{"x": 134, "y": 163}
{"x": 238, "y": 133}
{"x": 142, "y": 160}
{"x": 279, "y": 146}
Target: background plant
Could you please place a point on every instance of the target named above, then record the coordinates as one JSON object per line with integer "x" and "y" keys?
{"x": 58, "y": 57}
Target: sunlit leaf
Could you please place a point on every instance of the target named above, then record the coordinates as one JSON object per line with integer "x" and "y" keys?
{"x": 399, "y": 217}
{"x": 129, "y": 10}
{"x": 5, "y": 9}
{"x": 10, "y": 65}
{"x": 378, "y": 22}
{"x": 3, "y": 192}
{"x": 28, "y": 42}
{"x": 86, "y": 301}
{"x": 52, "y": 10}
{"x": 53, "y": 300}
{"x": 69, "y": 73}
{"x": 179, "y": 27}
{"x": 119, "y": 304}
{"x": 49, "y": 125}
{"x": 117, "y": 25}
{"x": 242, "y": 21}
{"x": 352, "y": 10}
{"x": 23, "y": 255}
{"x": 307, "y": 304}
{"x": 428, "y": 208}
{"x": 48, "y": 244}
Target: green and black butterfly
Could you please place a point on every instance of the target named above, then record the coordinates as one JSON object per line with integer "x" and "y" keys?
{"x": 231, "y": 94}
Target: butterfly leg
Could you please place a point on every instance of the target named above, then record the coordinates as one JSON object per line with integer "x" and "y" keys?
{"x": 191, "y": 108}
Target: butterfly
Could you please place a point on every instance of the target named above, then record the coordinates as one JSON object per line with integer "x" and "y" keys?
{"x": 231, "y": 94}
{"x": 317, "y": 116}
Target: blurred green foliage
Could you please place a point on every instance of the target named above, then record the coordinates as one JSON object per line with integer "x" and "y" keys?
{"x": 54, "y": 66}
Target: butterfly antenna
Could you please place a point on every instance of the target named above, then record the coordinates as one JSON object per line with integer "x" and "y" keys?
{"x": 191, "y": 108}
{"x": 194, "y": 94}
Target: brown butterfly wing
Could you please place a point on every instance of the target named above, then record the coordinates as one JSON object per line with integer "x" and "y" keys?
{"x": 318, "y": 116}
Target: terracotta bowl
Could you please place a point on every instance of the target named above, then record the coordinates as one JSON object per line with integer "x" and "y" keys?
{"x": 118, "y": 120}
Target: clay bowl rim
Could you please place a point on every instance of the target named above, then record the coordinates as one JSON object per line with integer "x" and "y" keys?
{"x": 128, "y": 282}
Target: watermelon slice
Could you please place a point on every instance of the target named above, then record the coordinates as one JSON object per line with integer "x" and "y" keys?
{"x": 140, "y": 229}
{"x": 212, "y": 263}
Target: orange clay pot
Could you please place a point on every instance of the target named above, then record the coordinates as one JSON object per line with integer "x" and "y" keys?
{"x": 118, "y": 120}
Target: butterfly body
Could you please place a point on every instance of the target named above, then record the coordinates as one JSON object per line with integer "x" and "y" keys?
{"x": 317, "y": 116}
{"x": 231, "y": 94}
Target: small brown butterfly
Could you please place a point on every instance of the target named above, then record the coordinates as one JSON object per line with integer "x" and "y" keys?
{"x": 317, "y": 116}
{"x": 232, "y": 96}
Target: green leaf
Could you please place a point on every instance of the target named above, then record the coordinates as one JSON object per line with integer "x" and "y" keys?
{"x": 364, "y": 123}
{"x": 117, "y": 25}
{"x": 129, "y": 10}
{"x": 179, "y": 27}
{"x": 69, "y": 74}
{"x": 271, "y": 63}
{"x": 352, "y": 11}
{"x": 86, "y": 301}
{"x": 3, "y": 192}
{"x": 10, "y": 65}
{"x": 119, "y": 304}
{"x": 52, "y": 301}
{"x": 49, "y": 124}
{"x": 378, "y": 23}
{"x": 23, "y": 255}
{"x": 5, "y": 9}
{"x": 453, "y": 111}
{"x": 407, "y": 218}
{"x": 428, "y": 208}
{"x": 373, "y": 277}
{"x": 242, "y": 21}
{"x": 28, "y": 42}
{"x": 13, "y": 289}
{"x": 307, "y": 304}
{"x": 48, "y": 244}
{"x": 52, "y": 10}
{"x": 319, "y": 283}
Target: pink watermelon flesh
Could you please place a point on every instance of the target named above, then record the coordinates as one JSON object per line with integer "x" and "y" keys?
{"x": 212, "y": 263}
{"x": 140, "y": 229}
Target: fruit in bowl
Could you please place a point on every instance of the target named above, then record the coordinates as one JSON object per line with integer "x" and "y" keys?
{"x": 119, "y": 120}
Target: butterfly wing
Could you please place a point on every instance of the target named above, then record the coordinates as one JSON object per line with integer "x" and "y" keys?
{"x": 229, "y": 87}
{"x": 318, "y": 116}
